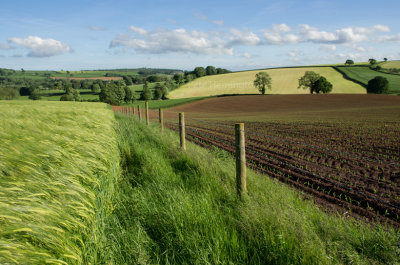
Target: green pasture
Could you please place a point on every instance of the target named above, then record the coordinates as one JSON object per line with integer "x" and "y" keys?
{"x": 364, "y": 74}
{"x": 284, "y": 81}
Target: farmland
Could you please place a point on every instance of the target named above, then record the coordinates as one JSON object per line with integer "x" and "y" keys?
{"x": 391, "y": 64}
{"x": 59, "y": 162}
{"x": 284, "y": 81}
{"x": 364, "y": 74}
{"x": 342, "y": 150}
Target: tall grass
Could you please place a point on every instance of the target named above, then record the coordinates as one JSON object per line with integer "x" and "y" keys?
{"x": 59, "y": 163}
{"x": 177, "y": 207}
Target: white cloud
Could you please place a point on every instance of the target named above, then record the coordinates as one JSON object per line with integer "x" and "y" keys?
{"x": 328, "y": 48}
{"x": 296, "y": 53}
{"x": 219, "y": 22}
{"x": 359, "y": 48}
{"x": 282, "y": 34}
{"x": 389, "y": 38}
{"x": 178, "y": 40}
{"x": 41, "y": 47}
{"x": 247, "y": 55}
{"x": 243, "y": 37}
{"x": 138, "y": 30}
{"x": 4, "y": 46}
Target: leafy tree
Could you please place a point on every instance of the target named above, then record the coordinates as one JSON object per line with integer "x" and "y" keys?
{"x": 321, "y": 85}
{"x": 160, "y": 91}
{"x": 108, "y": 94}
{"x": 349, "y": 62}
{"x": 26, "y": 91}
{"x": 67, "y": 97}
{"x": 262, "y": 80}
{"x": 129, "y": 96}
{"x": 307, "y": 81}
{"x": 199, "y": 71}
{"x": 170, "y": 84}
{"x": 190, "y": 77}
{"x": 146, "y": 93}
{"x": 372, "y": 61}
{"x": 385, "y": 59}
{"x": 378, "y": 85}
{"x": 179, "y": 79}
{"x": 8, "y": 93}
{"x": 35, "y": 95}
{"x": 76, "y": 95}
{"x": 95, "y": 88}
{"x": 128, "y": 80}
{"x": 210, "y": 70}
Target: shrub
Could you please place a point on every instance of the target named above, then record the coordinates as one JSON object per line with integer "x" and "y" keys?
{"x": 378, "y": 85}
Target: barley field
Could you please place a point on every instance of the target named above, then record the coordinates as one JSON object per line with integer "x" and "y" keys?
{"x": 59, "y": 162}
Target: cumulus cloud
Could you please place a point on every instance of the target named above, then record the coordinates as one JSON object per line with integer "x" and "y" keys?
{"x": 41, "y": 47}
{"x": 243, "y": 37}
{"x": 4, "y": 46}
{"x": 138, "y": 30}
{"x": 178, "y": 40}
{"x": 283, "y": 34}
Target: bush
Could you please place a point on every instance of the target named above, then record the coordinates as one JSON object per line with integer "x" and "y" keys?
{"x": 378, "y": 85}
{"x": 67, "y": 97}
{"x": 8, "y": 93}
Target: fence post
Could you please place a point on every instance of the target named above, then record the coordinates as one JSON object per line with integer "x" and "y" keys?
{"x": 138, "y": 111}
{"x": 182, "y": 130}
{"x": 133, "y": 110}
{"x": 161, "y": 119}
{"x": 147, "y": 112}
{"x": 240, "y": 159}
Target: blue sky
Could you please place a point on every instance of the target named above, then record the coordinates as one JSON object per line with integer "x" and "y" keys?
{"x": 237, "y": 35}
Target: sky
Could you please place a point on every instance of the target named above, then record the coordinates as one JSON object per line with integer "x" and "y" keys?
{"x": 178, "y": 34}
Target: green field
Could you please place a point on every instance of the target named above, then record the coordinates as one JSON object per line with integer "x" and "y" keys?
{"x": 59, "y": 162}
{"x": 284, "y": 81}
{"x": 364, "y": 74}
{"x": 391, "y": 64}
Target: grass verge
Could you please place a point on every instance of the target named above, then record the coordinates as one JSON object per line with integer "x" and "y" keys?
{"x": 177, "y": 207}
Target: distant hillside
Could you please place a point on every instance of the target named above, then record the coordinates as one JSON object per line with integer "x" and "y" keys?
{"x": 284, "y": 81}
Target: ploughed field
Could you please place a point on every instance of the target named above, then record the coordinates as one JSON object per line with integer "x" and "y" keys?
{"x": 341, "y": 150}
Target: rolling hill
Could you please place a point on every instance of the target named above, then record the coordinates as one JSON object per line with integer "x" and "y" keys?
{"x": 284, "y": 81}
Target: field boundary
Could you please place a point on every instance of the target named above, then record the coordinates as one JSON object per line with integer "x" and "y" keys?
{"x": 345, "y": 76}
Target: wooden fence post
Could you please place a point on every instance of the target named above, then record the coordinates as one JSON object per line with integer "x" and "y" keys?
{"x": 161, "y": 119}
{"x": 240, "y": 159}
{"x": 147, "y": 112}
{"x": 182, "y": 130}
{"x": 133, "y": 110}
{"x": 138, "y": 111}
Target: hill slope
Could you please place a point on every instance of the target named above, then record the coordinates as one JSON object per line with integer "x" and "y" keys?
{"x": 284, "y": 81}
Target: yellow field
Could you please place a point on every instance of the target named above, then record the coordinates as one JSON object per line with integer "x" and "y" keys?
{"x": 284, "y": 81}
{"x": 392, "y": 64}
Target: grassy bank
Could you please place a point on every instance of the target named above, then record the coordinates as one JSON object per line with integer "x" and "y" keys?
{"x": 181, "y": 208}
{"x": 59, "y": 163}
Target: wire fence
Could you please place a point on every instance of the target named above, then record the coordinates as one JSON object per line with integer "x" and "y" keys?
{"x": 354, "y": 179}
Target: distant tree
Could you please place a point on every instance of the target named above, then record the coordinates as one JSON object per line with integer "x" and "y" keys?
{"x": 385, "y": 59}
{"x": 378, "y": 85}
{"x": 179, "y": 79}
{"x": 199, "y": 71}
{"x": 210, "y": 70}
{"x": 128, "y": 80}
{"x": 349, "y": 62}
{"x": 35, "y": 95}
{"x": 8, "y": 93}
{"x": 146, "y": 93}
{"x": 170, "y": 84}
{"x": 307, "y": 81}
{"x": 262, "y": 80}
{"x": 160, "y": 91}
{"x": 321, "y": 85}
{"x": 67, "y": 97}
{"x": 129, "y": 95}
{"x": 190, "y": 77}
{"x": 95, "y": 88}
{"x": 372, "y": 61}
{"x": 76, "y": 95}
{"x": 26, "y": 91}
{"x": 76, "y": 84}
{"x": 108, "y": 94}
{"x": 22, "y": 70}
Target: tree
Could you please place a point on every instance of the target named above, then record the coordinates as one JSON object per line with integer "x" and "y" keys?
{"x": 262, "y": 80}
{"x": 210, "y": 70}
{"x": 76, "y": 94}
{"x": 160, "y": 91}
{"x": 190, "y": 77}
{"x": 372, "y": 61}
{"x": 129, "y": 96}
{"x": 67, "y": 97}
{"x": 385, "y": 59}
{"x": 378, "y": 85}
{"x": 95, "y": 88}
{"x": 349, "y": 62}
{"x": 199, "y": 71}
{"x": 8, "y": 93}
{"x": 308, "y": 80}
{"x": 322, "y": 85}
{"x": 179, "y": 78}
{"x": 35, "y": 95}
{"x": 146, "y": 93}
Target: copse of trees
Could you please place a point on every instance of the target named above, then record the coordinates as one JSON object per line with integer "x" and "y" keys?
{"x": 378, "y": 85}
{"x": 315, "y": 83}
{"x": 7, "y": 93}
